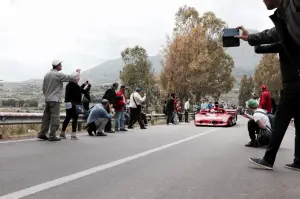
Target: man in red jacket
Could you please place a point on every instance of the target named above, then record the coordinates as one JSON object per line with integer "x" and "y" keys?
{"x": 120, "y": 109}
{"x": 265, "y": 101}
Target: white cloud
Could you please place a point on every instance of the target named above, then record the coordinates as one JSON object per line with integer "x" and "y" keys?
{"x": 84, "y": 33}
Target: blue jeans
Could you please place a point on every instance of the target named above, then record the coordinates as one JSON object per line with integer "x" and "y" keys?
{"x": 119, "y": 120}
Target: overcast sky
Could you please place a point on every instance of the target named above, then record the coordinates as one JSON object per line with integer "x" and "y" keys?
{"x": 84, "y": 33}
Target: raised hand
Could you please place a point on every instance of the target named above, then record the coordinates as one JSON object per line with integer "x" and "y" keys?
{"x": 244, "y": 35}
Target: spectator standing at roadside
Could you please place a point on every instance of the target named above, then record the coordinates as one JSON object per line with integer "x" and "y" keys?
{"x": 52, "y": 90}
{"x": 120, "y": 109}
{"x": 283, "y": 39}
{"x": 110, "y": 95}
{"x": 136, "y": 108}
{"x": 265, "y": 101}
{"x": 73, "y": 103}
{"x": 170, "y": 109}
{"x": 186, "y": 110}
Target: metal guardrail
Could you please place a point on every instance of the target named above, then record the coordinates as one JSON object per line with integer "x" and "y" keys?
{"x": 12, "y": 118}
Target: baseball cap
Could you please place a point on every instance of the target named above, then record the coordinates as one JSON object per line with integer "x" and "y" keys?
{"x": 252, "y": 103}
{"x": 56, "y": 62}
{"x": 138, "y": 89}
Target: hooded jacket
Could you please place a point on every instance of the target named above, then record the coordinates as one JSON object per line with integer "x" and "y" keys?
{"x": 265, "y": 101}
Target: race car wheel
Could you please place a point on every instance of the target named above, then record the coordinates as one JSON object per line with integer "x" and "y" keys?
{"x": 230, "y": 123}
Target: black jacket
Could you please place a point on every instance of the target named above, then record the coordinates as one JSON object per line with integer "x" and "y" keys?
{"x": 289, "y": 72}
{"x": 110, "y": 95}
{"x": 282, "y": 43}
{"x": 74, "y": 92}
{"x": 170, "y": 105}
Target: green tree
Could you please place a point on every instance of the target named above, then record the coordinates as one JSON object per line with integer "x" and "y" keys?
{"x": 268, "y": 72}
{"x": 138, "y": 72}
{"x": 245, "y": 90}
{"x": 194, "y": 59}
{"x": 251, "y": 85}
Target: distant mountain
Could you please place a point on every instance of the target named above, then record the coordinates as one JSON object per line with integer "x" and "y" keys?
{"x": 244, "y": 57}
{"x": 109, "y": 71}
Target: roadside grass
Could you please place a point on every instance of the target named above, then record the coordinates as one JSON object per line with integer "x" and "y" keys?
{"x": 31, "y": 130}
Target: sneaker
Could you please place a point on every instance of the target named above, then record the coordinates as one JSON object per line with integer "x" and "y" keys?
{"x": 117, "y": 131}
{"x": 101, "y": 134}
{"x": 130, "y": 127}
{"x": 260, "y": 162}
{"x": 143, "y": 128}
{"x": 123, "y": 130}
{"x": 74, "y": 137}
{"x": 252, "y": 143}
{"x": 42, "y": 137}
{"x": 54, "y": 139}
{"x": 292, "y": 166}
{"x": 62, "y": 136}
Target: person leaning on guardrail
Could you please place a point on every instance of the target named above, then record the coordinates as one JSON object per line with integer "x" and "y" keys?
{"x": 52, "y": 90}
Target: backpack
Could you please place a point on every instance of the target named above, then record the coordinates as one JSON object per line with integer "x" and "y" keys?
{"x": 264, "y": 135}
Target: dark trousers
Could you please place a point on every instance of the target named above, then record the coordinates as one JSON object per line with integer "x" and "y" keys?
{"x": 253, "y": 129}
{"x": 70, "y": 114}
{"x": 186, "y": 116}
{"x": 179, "y": 117}
{"x": 144, "y": 118}
{"x": 135, "y": 115}
{"x": 287, "y": 109}
{"x": 170, "y": 117}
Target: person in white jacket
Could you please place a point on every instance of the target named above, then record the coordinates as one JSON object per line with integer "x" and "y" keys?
{"x": 186, "y": 110}
{"x": 135, "y": 109}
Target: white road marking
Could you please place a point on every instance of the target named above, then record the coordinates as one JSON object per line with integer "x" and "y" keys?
{"x": 69, "y": 178}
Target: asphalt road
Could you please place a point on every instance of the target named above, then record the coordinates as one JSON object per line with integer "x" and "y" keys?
{"x": 163, "y": 162}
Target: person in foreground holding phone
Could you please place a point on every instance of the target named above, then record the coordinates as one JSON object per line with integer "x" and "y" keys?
{"x": 283, "y": 39}
{"x": 259, "y": 124}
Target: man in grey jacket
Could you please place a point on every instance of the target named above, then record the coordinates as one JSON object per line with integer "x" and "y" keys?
{"x": 284, "y": 39}
{"x": 52, "y": 90}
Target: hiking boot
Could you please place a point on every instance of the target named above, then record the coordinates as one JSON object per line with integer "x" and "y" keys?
{"x": 99, "y": 133}
{"x": 293, "y": 166}
{"x": 260, "y": 162}
{"x": 63, "y": 136}
{"x": 42, "y": 137}
{"x": 54, "y": 139}
{"x": 252, "y": 143}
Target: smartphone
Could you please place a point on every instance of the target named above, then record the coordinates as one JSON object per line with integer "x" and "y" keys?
{"x": 229, "y": 39}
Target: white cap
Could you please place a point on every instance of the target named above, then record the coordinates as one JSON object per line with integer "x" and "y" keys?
{"x": 56, "y": 62}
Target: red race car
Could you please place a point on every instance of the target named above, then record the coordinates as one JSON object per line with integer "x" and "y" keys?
{"x": 216, "y": 117}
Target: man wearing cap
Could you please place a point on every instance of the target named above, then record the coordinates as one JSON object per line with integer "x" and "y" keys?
{"x": 120, "y": 109}
{"x": 259, "y": 123}
{"x": 98, "y": 118}
{"x": 136, "y": 108}
{"x": 110, "y": 95}
{"x": 52, "y": 90}
{"x": 265, "y": 101}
